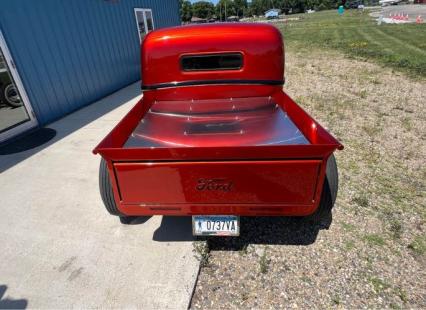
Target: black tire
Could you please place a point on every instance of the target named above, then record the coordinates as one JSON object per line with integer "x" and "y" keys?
{"x": 107, "y": 194}
{"x": 323, "y": 216}
{"x": 12, "y": 101}
{"x": 106, "y": 189}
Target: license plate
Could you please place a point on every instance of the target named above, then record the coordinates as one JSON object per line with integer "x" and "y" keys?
{"x": 215, "y": 225}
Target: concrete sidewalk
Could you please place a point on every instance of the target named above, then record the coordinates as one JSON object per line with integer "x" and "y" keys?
{"x": 58, "y": 246}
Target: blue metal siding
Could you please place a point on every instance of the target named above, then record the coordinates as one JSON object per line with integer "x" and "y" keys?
{"x": 71, "y": 53}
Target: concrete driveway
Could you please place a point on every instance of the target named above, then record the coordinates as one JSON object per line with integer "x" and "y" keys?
{"x": 58, "y": 246}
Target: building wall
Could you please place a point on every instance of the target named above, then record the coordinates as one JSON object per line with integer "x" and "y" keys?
{"x": 70, "y": 53}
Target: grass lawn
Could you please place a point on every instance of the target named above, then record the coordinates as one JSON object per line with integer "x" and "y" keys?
{"x": 402, "y": 47}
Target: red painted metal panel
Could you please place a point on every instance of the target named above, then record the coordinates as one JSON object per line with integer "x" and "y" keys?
{"x": 243, "y": 182}
{"x": 260, "y": 44}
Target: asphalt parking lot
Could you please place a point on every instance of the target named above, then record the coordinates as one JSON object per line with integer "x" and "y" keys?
{"x": 59, "y": 247}
{"x": 413, "y": 10}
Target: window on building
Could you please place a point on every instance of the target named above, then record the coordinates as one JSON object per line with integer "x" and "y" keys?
{"x": 144, "y": 21}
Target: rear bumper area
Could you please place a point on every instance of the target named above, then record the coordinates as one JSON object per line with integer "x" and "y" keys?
{"x": 267, "y": 187}
{"x": 218, "y": 209}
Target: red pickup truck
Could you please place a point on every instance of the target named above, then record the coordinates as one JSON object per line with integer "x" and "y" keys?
{"x": 214, "y": 136}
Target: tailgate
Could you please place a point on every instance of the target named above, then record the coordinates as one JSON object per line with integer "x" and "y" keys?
{"x": 218, "y": 182}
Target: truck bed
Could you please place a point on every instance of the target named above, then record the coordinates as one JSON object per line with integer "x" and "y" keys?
{"x": 254, "y": 121}
{"x": 159, "y": 128}
{"x": 258, "y": 155}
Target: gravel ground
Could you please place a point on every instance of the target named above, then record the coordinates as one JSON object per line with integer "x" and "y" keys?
{"x": 373, "y": 254}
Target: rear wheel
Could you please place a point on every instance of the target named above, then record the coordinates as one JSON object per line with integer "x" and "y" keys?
{"x": 323, "y": 216}
{"x": 106, "y": 189}
{"x": 107, "y": 195}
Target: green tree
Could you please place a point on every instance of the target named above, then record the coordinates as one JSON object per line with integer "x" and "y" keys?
{"x": 225, "y": 8}
{"x": 185, "y": 10}
{"x": 240, "y": 7}
{"x": 203, "y": 9}
{"x": 259, "y": 7}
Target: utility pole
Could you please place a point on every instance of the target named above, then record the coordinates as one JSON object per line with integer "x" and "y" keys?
{"x": 220, "y": 11}
{"x": 225, "y": 12}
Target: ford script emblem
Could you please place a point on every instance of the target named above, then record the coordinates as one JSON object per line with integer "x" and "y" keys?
{"x": 223, "y": 185}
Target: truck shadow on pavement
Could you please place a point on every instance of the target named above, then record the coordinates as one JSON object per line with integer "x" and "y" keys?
{"x": 8, "y": 303}
{"x": 253, "y": 230}
{"x": 174, "y": 228}
{"x": 268, "y": 231}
